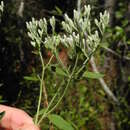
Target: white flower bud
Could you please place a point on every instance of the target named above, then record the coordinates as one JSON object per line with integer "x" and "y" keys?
{"x": 40, "y": 32}
{"x": 33, "y": 44}
{"x": 96, "y": 22}
{"x": 52, "y": 23}
{"x": 76, "y": 15}
{"x": 1, "y": 6}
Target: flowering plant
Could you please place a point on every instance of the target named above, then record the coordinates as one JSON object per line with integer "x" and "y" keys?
{"x": 80, "y": 40}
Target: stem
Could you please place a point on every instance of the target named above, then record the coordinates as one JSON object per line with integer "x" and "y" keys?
{"x": 66, "y": 88}
{"x": 87, "y": 59}
{"x": 49, "y": 61}
{"x": 52, "y": 100}
{"x": 61, "y": 63}
{"x": 41, "y": 84}
{"x": 42, "y": 79}
{"x": 45, "y": 95}
{"x": 82, "y": 66}
{"x": 102, "y": 82}
{"x": 115, "y": 53}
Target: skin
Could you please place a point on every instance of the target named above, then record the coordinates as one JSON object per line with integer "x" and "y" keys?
{"x": 16, "y": 119}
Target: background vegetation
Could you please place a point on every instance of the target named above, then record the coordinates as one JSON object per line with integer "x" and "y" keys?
{"x": 86, "y": 105}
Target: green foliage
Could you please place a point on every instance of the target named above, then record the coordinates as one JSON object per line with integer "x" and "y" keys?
{"x": 29, "y": 78}
{"x": 122, "y": 115}
{"x": 60, "y": 122}
{"x": 92, "y": 75}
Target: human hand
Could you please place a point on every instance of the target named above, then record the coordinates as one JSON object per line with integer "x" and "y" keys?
{"x": 16, "y": 119}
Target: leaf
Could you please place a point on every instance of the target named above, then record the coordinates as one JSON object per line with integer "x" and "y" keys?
{"x": 60, "y": 122}
{"x": 2, "y": 114}
{"x": 59, "y": 71}
{"x": 128, "y": 42}
{"x": 92, "y": 75}
{"x": 31, "y": 78}
{"x": 118, "y": 14}
{"x": 119, "y": 31}
{"x": 128, "y": 78}
{"x": 59, "y": 11}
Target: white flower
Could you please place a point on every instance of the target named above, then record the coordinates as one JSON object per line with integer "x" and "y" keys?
{"x": 52, "y": 23}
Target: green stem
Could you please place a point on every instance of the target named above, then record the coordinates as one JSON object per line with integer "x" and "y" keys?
{"x": 66, "y": 88}
{"x": 41, "y": 84}
{"x": 85, "y": 62}
{"x": 60, "y": 97}
{"x": 61, "y": 63}
{"x": 49, "y": 61}
{"x": 52, "y": 100}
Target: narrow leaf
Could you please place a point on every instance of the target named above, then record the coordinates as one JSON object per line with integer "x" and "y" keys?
{"x": 92, "y": 75}
{"x": 128, "y": 78}
{"x": 31, "y": 78}
{"x": 59, "y": 71}
{"x": 59, "y": 11}
{"x": 59, "y": 122}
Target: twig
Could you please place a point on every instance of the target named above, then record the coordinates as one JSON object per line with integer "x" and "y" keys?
{"x": 45, "y": 95}
{"x": 66, "y": 88}
{"x": 21, "y": 9}
{"x": 116, "y": 54}
{"x": 102, "y": 82}
{"x": 50, "y": 103}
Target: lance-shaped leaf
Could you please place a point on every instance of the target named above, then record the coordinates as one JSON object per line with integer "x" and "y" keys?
{"x": 60, "y": 122}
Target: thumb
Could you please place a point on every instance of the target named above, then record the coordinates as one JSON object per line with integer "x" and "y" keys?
{"x": 29, "y": 127}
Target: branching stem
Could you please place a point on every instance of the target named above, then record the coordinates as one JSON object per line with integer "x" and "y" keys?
{"x": 52, "y": 100}
{"x": 61, "y": 63}
{"x": 66, "y": 88}
{"x": 41, "y": 88}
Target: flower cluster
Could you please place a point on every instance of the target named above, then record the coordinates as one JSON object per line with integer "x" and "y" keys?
{"x": 78, "y": 32}
{"x": 37, "y": 31}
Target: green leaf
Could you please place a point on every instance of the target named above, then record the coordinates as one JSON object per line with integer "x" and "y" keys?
{"x": 119, "y": 14}
{"x": 92, "y": 75}
{"x": 121, "y": 30}
{"x": 59, "y": 71}
{"x": 128, "y": 42}
{"x": 128, "y": 78}
{"x": 2, "y": 114}
{"x": 59, "y": 122}
{"x": 31, "y": 78}
{"x": 59, "y": 11}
